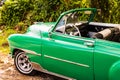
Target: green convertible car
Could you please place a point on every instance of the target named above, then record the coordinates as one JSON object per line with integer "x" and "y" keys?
{"x": 74, "y": 47}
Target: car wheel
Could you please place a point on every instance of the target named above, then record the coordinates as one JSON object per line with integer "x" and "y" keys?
{"x": 23, "y": 63}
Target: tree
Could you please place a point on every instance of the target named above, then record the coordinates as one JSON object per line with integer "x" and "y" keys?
{"x": 109, "y": 9}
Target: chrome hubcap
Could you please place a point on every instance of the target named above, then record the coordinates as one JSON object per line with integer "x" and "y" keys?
{"x": 24, "y": 63}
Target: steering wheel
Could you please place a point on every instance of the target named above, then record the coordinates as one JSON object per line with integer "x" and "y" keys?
{"x": 72, "y": 30}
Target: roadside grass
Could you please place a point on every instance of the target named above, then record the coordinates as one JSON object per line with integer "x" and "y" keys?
{"x": 5, "y": 31}
{"x": 4, "y": 47}
{"x": 4, "y": 50}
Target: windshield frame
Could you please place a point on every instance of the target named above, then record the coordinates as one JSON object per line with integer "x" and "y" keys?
{"x": 93, "y": 10}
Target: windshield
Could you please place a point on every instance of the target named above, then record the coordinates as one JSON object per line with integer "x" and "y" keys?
{"x": 73, "y": 21}
{"x": 77, "y": 17}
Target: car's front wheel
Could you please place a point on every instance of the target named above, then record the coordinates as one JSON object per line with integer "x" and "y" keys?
{"x": 23, "y": 63}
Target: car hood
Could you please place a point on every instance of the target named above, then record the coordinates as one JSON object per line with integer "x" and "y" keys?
{"x": 40, "y": 26}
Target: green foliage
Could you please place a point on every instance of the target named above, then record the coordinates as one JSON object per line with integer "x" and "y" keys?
{"x": 114, "y": 9}
{"x": 109, "y": 10}
{"x": 14, "y": 11}
{"x": 3, "y": 39}
{"x": 4, "y": 35}
{"x": 29, "y": 11}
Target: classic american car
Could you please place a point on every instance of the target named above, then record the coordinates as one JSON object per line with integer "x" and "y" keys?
{"x": 74, "y": 47}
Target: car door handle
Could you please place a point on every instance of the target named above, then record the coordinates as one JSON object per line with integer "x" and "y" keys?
{"x": 89, "y": 44}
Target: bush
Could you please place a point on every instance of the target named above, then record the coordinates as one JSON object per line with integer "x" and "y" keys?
{"x": 14, "y": 11}
{"x": 29, "y": 11}
{"x": 109, "y": 9}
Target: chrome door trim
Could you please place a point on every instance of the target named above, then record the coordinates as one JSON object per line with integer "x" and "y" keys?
{"x": 71, "y": 62}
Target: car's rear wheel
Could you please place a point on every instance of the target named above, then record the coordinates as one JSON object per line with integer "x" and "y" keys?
{"x": 23, "y": 63}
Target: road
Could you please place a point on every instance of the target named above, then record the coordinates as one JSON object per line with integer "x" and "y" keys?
{"x": 9, "y": 72}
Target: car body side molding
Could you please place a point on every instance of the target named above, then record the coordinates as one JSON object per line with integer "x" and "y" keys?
{"x": 79, "y": 64}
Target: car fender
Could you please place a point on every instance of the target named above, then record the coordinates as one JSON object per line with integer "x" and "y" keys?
{"x": 114, "y": 73}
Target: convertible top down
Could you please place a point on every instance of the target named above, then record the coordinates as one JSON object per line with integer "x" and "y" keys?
{"x": 74, "y": 47}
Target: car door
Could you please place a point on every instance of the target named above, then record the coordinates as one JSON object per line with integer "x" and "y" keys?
{"x": 68, "y": 55}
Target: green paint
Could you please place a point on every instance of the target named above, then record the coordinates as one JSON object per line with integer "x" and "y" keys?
{"x": 69, "y": 55}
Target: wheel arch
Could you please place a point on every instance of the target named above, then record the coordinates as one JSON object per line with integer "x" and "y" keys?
{"x": 114, "y": 72}
{"x": 35, "y": 65}
{"x": 15, "y": 50}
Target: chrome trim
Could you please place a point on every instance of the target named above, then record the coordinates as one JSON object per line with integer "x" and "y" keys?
{"x": 58, "y": 75}
{"x": 38, "y": 67}
{"x": 30, "y": 52}
{"x": 27, "y": 51}
{"x": 79, "y": 64}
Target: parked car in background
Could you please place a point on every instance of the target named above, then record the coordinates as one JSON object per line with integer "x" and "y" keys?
{"x": 74, "y": 47}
